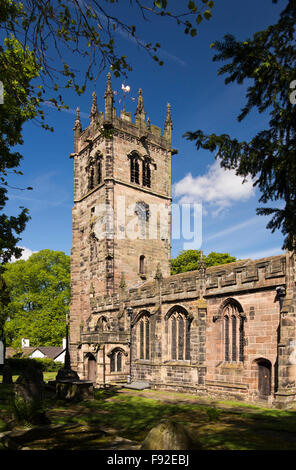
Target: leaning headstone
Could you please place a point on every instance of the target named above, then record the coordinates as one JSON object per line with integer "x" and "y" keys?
{"x": 28, "y": 389}
{"x": 7, "y": 375}
{"x": 168, "y": 436}
{"x": 32, "y": 373}
{"x": 30, "y": 384}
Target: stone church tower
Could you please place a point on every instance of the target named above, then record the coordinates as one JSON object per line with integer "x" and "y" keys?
{"x": 122, "y": 200}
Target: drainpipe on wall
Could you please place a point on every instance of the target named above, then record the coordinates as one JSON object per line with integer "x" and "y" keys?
{"x": 104, "y": 367}
{"x": 129, "y": 312}
{"x": 280, "y": 295}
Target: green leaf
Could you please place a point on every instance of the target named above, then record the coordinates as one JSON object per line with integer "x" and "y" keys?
{"x": 207, "y": 14}
{"x": 199, "y": 19}
{"x": 192, "y": 6}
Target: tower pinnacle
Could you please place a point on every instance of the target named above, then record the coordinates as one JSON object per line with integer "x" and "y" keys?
{"x": 168, "y": 119}
{"x": 94, "y": 108}
{"x": 77, "y": 123}
{"x": 108, "y": 100}
{"x": 168, "y": 124}
{"x": 77, "y": 130}
{"x": 140, "y": 111}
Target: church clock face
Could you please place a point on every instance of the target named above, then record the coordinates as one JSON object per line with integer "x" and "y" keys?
{"x": 142, "y": 211}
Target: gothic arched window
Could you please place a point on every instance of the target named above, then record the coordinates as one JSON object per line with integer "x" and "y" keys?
{"x": 134, "y": 169}
{"x": 94, "y": 171}
{"x": 99, "y": 170}
{"x": 119, "y": 362}
{"x": 116, "y": 362}
{"x": 91, "y": 178}
{"x": 233, "y": 323}
{"x": 146, "y": 173}
{"x": 179, "y": 335}
{"x": 144, "y": 337}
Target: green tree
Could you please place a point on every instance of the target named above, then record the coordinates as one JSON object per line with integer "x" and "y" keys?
{"x": 39, "y": 289}
{"x": 4, "y": 301}
{"x": 188, "y": 260}
{"x": 18, "y": 68}
{"x": 268, "y": 62}
{"x": 215, "y": 259}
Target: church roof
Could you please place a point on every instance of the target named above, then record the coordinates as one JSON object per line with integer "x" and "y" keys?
{"x": 49, "y": 351}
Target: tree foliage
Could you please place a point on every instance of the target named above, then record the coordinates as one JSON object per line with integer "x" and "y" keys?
{"x": 39, "y": 290}
{"x": 88, "y": 30}
{"x": 4, "y": 301}
{"x": 268, "y": 61}
{"x": 188, "y": 260}
{"x": 18, "y": 68}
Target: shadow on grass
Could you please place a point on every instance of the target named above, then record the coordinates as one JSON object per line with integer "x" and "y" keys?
{"x": 214, "y": 428}
{"x": 132, "y": 416}
{"x": 112, "y": 413}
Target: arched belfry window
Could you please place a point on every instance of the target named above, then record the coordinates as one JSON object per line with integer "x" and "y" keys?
{"x": 91, "y": 178}
{"x": 134, "y": 168}
{"x": 233, "y": 331}
{"x": 179, "y": 326}
{"x": 146, "y": 173}
{"x": 98, "y": 166}
{"x": 143, "y": 334}
{"x": 94, "y": 171}
{"x": 99, "y": 170}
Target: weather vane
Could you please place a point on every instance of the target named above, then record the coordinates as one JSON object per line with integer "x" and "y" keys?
{"x": 125, "y": 89}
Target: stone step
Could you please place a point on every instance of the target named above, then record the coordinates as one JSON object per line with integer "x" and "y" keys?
{"x": 137, "y": 385}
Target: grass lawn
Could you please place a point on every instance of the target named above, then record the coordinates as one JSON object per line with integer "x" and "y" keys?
{"x": 131, "y": 414}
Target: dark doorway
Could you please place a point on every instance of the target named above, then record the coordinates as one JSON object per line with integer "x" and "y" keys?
{"x": 91, "y": 368}
{"x": 264, "y": 378}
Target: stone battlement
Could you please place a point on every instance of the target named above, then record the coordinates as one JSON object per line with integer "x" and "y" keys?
{"x": 233, "y": 277}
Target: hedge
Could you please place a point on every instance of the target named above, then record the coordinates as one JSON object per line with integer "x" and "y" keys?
{"x": 18, "y": 365}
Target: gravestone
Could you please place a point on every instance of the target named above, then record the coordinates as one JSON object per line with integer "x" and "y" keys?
{"x": 30, "y": 385}
{"x": 7, "y": 375}
{"x": 168, "y": 435}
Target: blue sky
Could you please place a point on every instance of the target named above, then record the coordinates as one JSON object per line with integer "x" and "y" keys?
{"x": 199, "y": 100}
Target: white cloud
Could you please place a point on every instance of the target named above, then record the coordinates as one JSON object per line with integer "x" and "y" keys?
{"x": 25, "y": 254}
{"x": 49, "y": 104}
{"x": 234, "y": 228}
{"x": 262, "y": 254}
{"x": 218, "y": 188}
